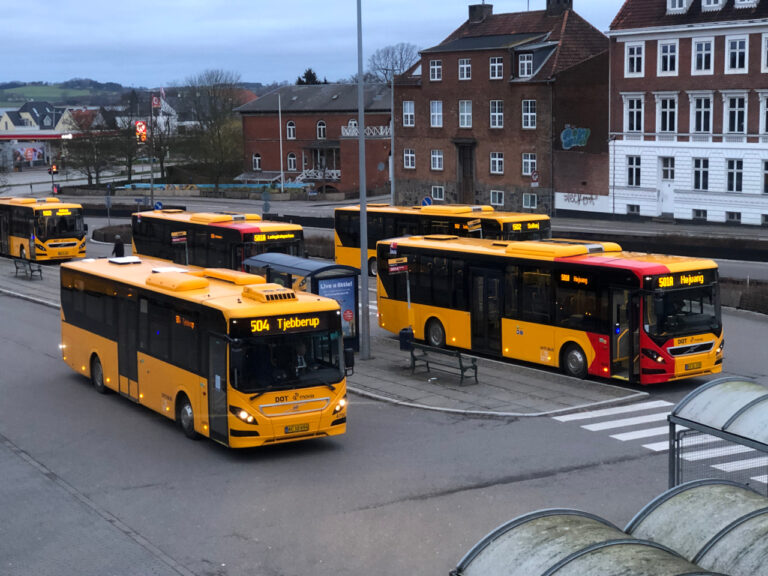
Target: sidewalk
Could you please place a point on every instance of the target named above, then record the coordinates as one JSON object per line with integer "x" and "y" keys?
{"x": 504, "y": 390}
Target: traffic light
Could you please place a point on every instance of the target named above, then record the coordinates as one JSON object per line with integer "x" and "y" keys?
{"x": 141, "y": 131}
{"x": 53, "y": 170}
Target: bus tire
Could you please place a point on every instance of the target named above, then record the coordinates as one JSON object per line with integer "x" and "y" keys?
{"x": 574, "y": 361}
{"x": 434, "y": 333}
{"x": 372, "y": 270}
{"x": 22, "y": 253}
{"x": 97, "y": 375}
{"x": 186, "y": 417}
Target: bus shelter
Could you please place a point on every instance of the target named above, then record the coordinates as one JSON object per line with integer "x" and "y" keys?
{"x": 318, "y": 277}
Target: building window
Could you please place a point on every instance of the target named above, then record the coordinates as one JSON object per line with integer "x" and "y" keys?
{"x": 465, "y": 113}
{"x": 435, "y": 70}
{"x": 321, "y": 130}
{"x": 291, "y": 162}
{"x": 497, "y": 197}
{"x": 529, "y": 164}
{"x": 496, "y": 68}
{"x": 736, "y": 57}
{"x": 675, "y": 5}
{"x": 438, "y": 193}
{"x": 633, "y": 114}
{"x": 633, "y": 209}
{"x": 701, "y": 110}
{"x": 409, "y": 159}
{"x": 525, "y": 65}
{"x": 708, "y": 5}
{"x": 735, "y": 173}
{"x": 437, "y": 160}
{"x": 764, "y": 53}
{"x": 256, "y": 160}
{"x": 530, "y": 201}
{"x": 668, "y": 58}
{"x": 667, "y": 114}
{"x": 497, "y": 163}
{"x": 733, "y": 217}
{"x": 634, "y": 63}
{"x": 497, "y": 114}
{"x": 735, "y": 114}
{"x": 703, "y": 58}
{"x": 436, "y": 113}
{"x": 409, "y": 113}
{"x": 668, "y": 168}
{"x": 529, "y": 114}
{"x": 764, "y": 220}
{"x": 699, "y": 214}
{"x": 633, "y": 170}
{"x": 290, "y": 130}
{"x": 701, "y": 174}
{"x": 465, "y": 69}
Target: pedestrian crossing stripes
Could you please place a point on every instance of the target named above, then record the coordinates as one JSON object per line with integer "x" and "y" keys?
{"x": 639, "y": 423}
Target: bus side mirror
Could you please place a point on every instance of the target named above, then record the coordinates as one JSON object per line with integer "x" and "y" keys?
{"x": 85, "y": 227}
{"x": 349, "y": 361}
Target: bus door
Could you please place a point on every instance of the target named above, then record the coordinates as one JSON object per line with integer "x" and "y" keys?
{"x": 487, "y": 303}
{"x": 4, "y": 230}
{"x": 625, "y": 336}
{"x": 217, "y": 388}
{"x": 127, "y": 366}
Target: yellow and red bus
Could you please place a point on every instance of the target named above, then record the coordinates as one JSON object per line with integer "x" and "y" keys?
{"x": 41, "y": 229}
{"x": 587, "y": 308}
{"x": 224, "y": 354}
{"x": 385, "y": 221}
{"x": 211, "y": 239}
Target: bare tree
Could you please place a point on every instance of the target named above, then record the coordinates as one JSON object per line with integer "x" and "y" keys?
{"x": 398, "y": 57}
{"x": 92, "y": 152}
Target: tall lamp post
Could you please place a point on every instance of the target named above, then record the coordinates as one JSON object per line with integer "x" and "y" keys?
{"x": 392, "y": 141}
{"x": 365, "y": 320}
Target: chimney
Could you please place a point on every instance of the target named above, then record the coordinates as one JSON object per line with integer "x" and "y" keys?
{"x": 557, "y": 7}
{"x": 479, "y": 12}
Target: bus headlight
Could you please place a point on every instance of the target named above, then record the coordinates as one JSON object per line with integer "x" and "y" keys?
{"x": 243, "y": 415}
{"x": 341, "y": 405}
{"x": 720, "y": 348}
{"x": 653, "y": 355}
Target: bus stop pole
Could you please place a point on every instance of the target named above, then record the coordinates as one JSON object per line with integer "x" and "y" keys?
{"x": 365, "y": 328}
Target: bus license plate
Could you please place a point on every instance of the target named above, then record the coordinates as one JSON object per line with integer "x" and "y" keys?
{"x": 296, "y": 428}
{"x": 693, "y": 366}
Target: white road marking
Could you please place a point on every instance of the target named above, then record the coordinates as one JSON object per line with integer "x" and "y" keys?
{"x": 612, "y": 411}
{"x": 625, "y": 422}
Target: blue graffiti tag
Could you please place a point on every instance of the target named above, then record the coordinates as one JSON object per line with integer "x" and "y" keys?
{"x": 572, "y": 137}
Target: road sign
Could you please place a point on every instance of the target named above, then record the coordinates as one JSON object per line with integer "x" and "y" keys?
{"x": 158, "y": 205}
{"x": 398, "y": 265}
{"x": 426, "y": 201}
{"x": 535, "y": 179}
{"x": 473, "y": 225}
{"x": 179, "y": 237}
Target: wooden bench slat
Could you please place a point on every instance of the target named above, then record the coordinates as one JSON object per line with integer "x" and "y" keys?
{"x": 441, "y": 358}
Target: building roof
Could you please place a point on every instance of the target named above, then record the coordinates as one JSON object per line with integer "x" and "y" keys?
{"x": 653, "y": 13}
{"x": 320, "y": 98}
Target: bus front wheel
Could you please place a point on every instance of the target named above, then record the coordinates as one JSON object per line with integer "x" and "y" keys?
{"x": 575, "y": 361}
{"x": 186, "y": 418}
{"x": 435, "y": 333}
{"x": 97, "y": 375}
{"x": 372, "y": 271}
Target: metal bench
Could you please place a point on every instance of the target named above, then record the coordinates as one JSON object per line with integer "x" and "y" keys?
{"x": 30, "y": 269}
{"x": 442, "y": 359}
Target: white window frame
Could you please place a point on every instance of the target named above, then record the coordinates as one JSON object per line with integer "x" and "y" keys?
{"x": 701, "y": 172}
{"x": 694, "y": 44}
{"x": 436, "y": 113}
{"x": 673, "y": 57}
{"x": 530, "y": 200}
{"x": 629, "y": 97}
{"x": 525, "y": 65}
{"x": 711, "y": 5}
{"x": 736, "y": 38}
{"x": 290, "y": 130}
{"x": 529, "y": 163}
{"x": 628, "y": 47}
{"x": 667, "y": 168}
{"x": 497, "y": 163}
{"x": 734, "y": 175}
{"x": 763, "y": 129}
{"x": 465, "y": 113}
{"x": 662, "y": 99}
{"x": 438, "y": 193}
{"x": 409, "y": 159}
{"x": 435, "y": 70}
{"x": 764, "y": 53}
{"x": 496, "y": 108}
{"x": 291, "y": 162}
{"x": 465, "y": 69}
{"x": 436, "y": 160}
{"x": 497, "y": 197}
{"x": 256, "y": 162}
{"x": 322, "y": 130}
{"x": 496, "y": 68}
{"x": 529, "y": 115}
{"x": 693, "y": 98}
{"x": 728, "y": 97}
{"x": 409, "y": 113}
{"x": 765, "y": 176}
{"x": 634, "y": 171}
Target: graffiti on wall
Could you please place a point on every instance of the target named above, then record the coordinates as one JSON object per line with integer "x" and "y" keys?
{"x": 573, "y": 137}
{"x": 580, "y": 199}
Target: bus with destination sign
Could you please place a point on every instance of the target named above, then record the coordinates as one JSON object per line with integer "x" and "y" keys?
{"x": 41, "y": 229}
{"x": 587, "y": 308}
{"x": 211, "y": 239}
{"x": 221, "y": 352}
{"x": 386, "y": 221}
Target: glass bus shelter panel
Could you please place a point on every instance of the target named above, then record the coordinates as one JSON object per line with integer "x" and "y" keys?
{"x": 716, "y": 404}
{"x": 742, "y": 550}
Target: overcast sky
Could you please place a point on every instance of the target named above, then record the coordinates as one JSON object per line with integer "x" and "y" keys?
{"x": 155, "y": 43}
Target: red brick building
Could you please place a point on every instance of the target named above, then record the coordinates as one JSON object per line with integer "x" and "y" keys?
{"x": 317, "y": 128}
{"x": 507, "y": 110}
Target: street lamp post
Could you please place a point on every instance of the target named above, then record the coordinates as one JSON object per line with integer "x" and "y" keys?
{"x": 392, "y": 141}
{"x": 365, "y": 331}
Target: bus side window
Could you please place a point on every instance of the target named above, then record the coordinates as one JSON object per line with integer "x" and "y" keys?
{"x": 511, "y": 292}
{"x": 536, "y": 295}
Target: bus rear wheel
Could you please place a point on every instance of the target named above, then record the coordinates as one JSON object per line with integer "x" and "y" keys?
{"x": 372, "y": 271}
{"x": 574, "y": 361}
{"x": 186, "y": 418}
{"x": 97, "y": 375}
{"x": 435, "y": 333}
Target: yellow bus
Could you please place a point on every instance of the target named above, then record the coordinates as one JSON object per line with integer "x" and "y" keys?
{"x": 385, "y": 221}
{"x": 224, "y": 354}
{"x": 211, "y": 239}
{"x": 41, "y": 229}
{"x": 587, "y": 308}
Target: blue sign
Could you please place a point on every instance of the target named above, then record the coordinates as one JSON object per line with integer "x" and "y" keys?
{"x": 572, "y": 137}
{"x": 343, "y": 291}
{"x": 426, "y": 201}
{"x": 158, "y": 205}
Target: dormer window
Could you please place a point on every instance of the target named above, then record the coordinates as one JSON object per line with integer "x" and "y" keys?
{"x": 745, "y": 3}
{"x": 678, "y": 6}
{"x": 525, "y": 65}
{"x": 711, "y": 5}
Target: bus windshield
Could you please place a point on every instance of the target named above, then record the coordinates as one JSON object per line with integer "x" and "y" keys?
{"x": 674, "y": 313}
{"x": 66, "y": 226}
{"x": 286, "y": 361}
